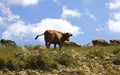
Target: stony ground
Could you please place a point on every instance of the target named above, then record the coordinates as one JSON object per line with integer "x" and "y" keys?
{"x": 87, "y": 63}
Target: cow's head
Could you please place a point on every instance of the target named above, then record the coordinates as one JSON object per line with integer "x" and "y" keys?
{"x": 66, "y": 36}
{"x": 111, "y": 41}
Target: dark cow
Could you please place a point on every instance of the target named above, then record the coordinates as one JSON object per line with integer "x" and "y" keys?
{"x": 72, "y": 44}
{"x": 100, "y": 42}
{"x": 115, "y": 42}
{"x": 55, "y": 37}
{"x": 5, "y": 42}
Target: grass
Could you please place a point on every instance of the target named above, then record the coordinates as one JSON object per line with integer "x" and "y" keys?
{"x": 117, "y": 61}
{"x": 14, "y": 59}
{"x": 66, "y": 60}
{"x": 8, "y": 57}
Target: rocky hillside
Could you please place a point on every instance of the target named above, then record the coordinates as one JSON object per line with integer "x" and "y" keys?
{"x": 37, "y": 60}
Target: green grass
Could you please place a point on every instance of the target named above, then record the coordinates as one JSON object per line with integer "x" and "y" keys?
{"x": 66, "y": 60}
{"x": 8, "y": 57}
{"x": 14, "y": 58}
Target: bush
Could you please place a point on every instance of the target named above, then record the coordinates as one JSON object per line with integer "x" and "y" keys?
{"x": 116, "y": 51}
{"x": 97, "y": 52}
{"x": 117, "y": 61}
{"x": 11, "y": 63}
{"x": 31, "y": 47}
{"x": 41, "y": 62}
{"x": 8, "y": 58}
{"x": 66, "y": 60}
{"x": 36, "y": 47}
{"x": 1, "y": 63}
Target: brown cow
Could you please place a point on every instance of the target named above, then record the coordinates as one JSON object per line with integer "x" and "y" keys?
{"x": 55, "y": 37}
{"x": 72, "y": 44}
{"x": 115, "y": 42}
{"x": 100, "y": 42}
{"x": 5, "y": 42}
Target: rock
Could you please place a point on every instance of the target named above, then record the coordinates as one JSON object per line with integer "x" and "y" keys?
{"x": 22, "y": 73}
{"x": 55, "y": 71}
{"x": 42, "y": 48}
{"x": 107, "y": 58}
{"x": 1, "y": 72}
{"x": 112, "y": 55}
{"x": 32, "y": 72}
{"x": 95, "y": 58}
{"x": 71, "y": 53}
{"x": 5, "y": 70}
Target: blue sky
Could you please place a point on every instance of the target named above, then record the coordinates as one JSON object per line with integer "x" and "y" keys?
{"x": 22, "y": 20}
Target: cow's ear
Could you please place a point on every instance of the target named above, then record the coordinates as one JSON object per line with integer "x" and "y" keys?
{"x": 67, "y": 34}
{"x": 71, "y": 34}
{"x": 63, "y": 34}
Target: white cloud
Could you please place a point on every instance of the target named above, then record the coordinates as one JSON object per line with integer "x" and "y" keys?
{"x": 99, "y": 28}
{"x": 20, "y": 30}
{"x": 55, "y": 0}
{"x": 88, "y": 1}
{"x": 114, "y": 20}
{"x": 68, "y": 12}
{"x": 23, "y": 2}
{"x": 1, "y": 20}
{"x": 115, "y": 4}
{"x": 7, "y": 13}
{"x": 92, "y": 16}
{"x": 117, "y": 16}
{"x": 58, "y": 24}
{"x": 15, "y": 30}
{"x": 114, "y": 26}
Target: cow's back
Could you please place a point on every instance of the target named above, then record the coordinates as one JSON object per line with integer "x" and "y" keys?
{"x": 7, "y": 42}
{"x": 115, "y": 42}
{"x": 52, "y": 35}
{"x": 101, "y": 42}
{"x": 72, "y": 44}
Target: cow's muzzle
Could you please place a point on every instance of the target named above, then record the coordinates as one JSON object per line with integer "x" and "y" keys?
{"x": 67, "y": 40}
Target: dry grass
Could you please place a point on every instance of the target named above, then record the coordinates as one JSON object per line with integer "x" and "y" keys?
{"x": 33, "y": 57}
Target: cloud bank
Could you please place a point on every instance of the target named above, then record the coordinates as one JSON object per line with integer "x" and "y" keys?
{"x": 114, "y": 20}
{"x": 114, "y": 4}
{"x": 70, "y": 13}
{"x": 92, "y": 16}
{"x": 23, "y": 2}
{"x": 21, "y": 30}
{"x": 7, "y": 14}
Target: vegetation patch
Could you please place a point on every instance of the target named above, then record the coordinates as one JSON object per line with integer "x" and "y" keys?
{"x": 66, "y": 60}
{"x": 117, "y": 61}
{"x": 116, "y": 51}
{"x": 70, "y": 60}
{"x": 41, "y": 62}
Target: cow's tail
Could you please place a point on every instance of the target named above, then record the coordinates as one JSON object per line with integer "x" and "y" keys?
{"x": 38, "y": 36}
{"x": 87, "y": 44}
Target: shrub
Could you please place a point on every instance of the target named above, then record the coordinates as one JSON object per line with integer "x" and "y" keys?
{"x": 1, "y": 63}
{"x": 8, "y": 58}
{"x": 116, "y": 51}
{"x": 31, "y": 47}
{"x": 99, "y": 52}
{"x": 66, "y": 60}
{"x": 13, "y": 63}
{"x": 117, "y": 61}
{"x": 41, "y": 62}
{"x": 36, "y": 47}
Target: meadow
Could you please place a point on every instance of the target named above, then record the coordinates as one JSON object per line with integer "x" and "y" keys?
{"x": 37, "y": 60}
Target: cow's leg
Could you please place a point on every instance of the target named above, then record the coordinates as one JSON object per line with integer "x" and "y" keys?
{"x": 55, "y": 46}
{"x": 47, "y": 44}
{"x": 60, "y": 46}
